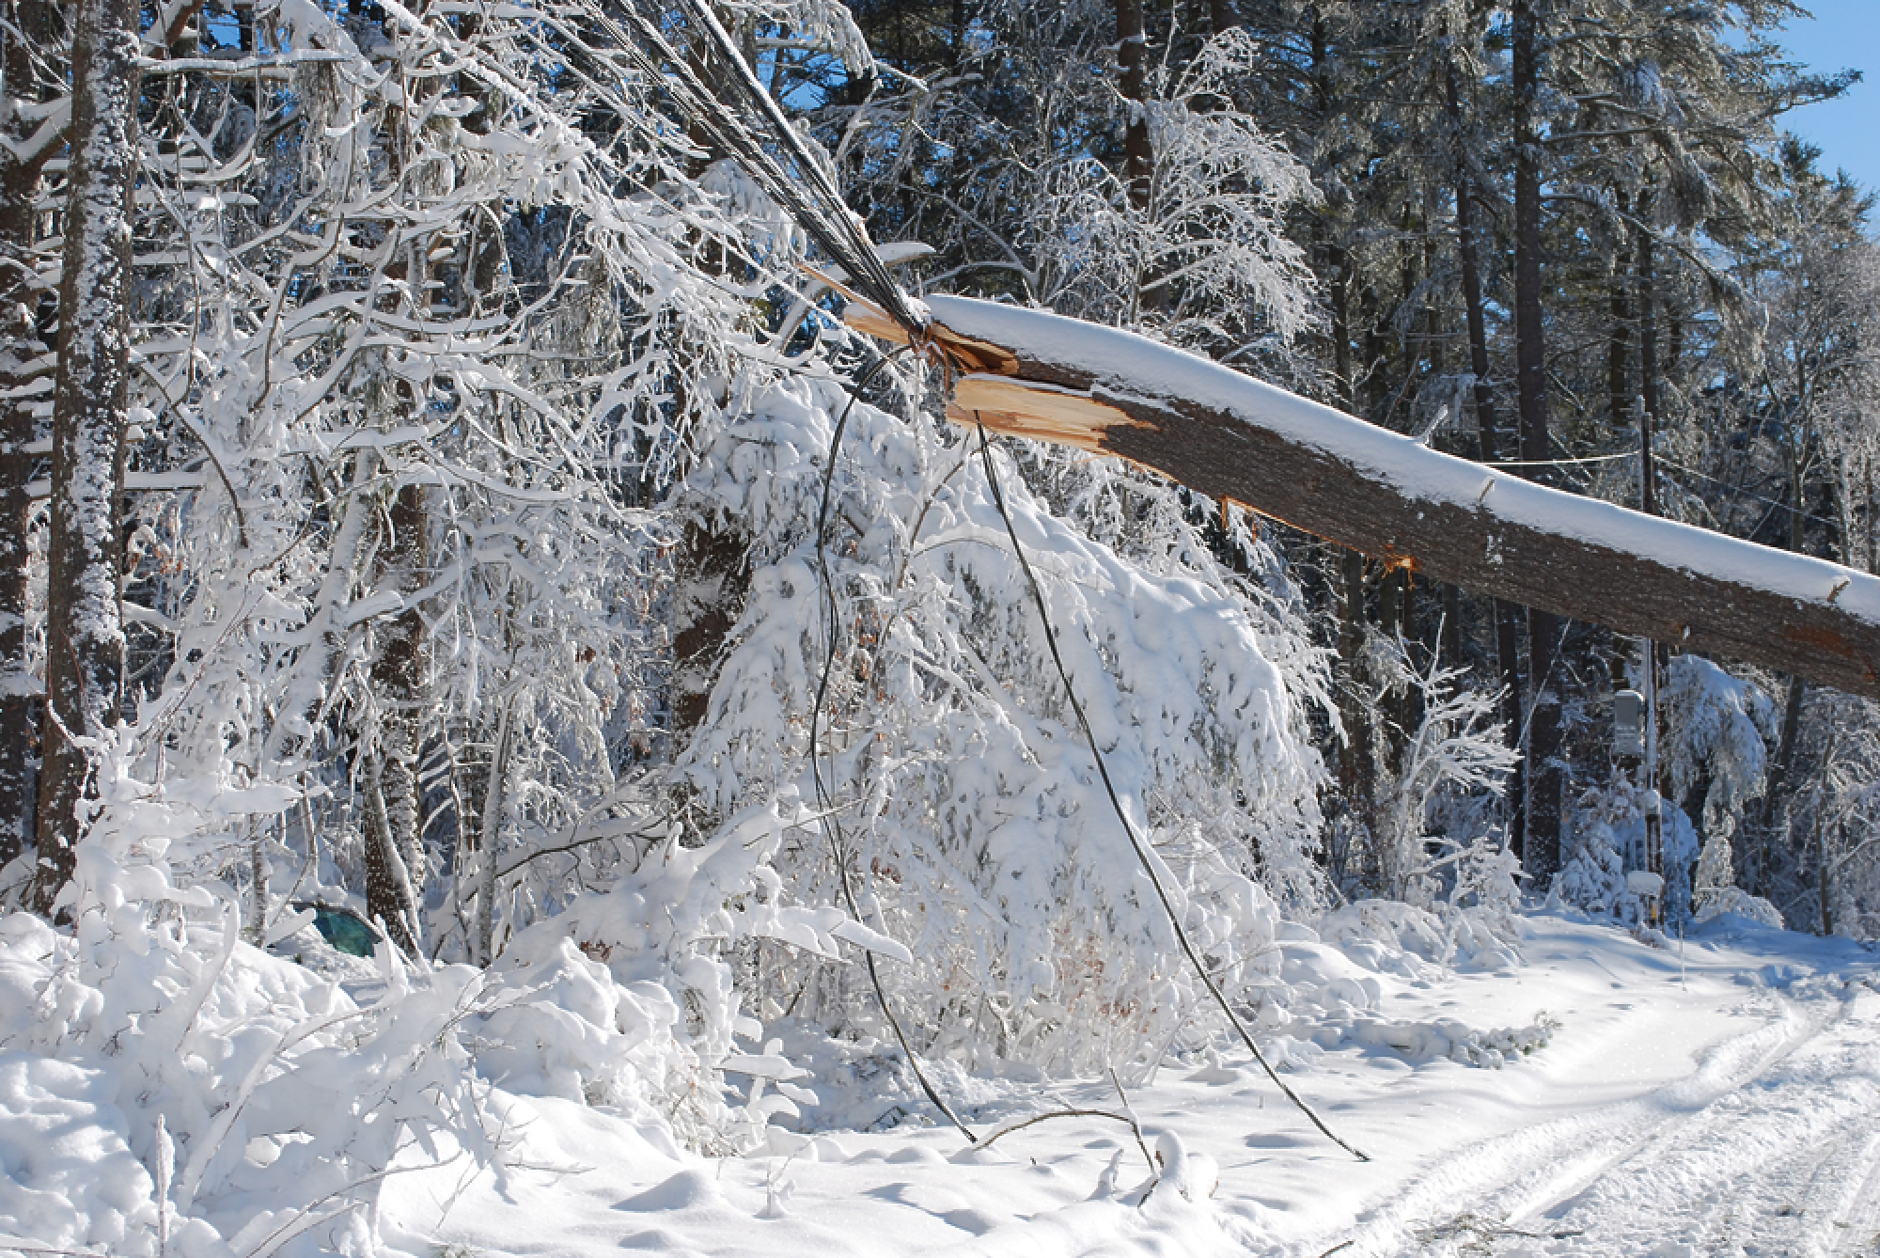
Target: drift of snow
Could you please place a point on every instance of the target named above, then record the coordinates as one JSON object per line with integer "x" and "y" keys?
{"x": 1597, "y": 1096}
{"x": 1641, "y": 1103}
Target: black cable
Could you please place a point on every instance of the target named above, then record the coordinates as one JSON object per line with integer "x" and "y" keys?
{"x": 1122, "y": 815}
{"x": 832, "y": 829}
{"x": 810, "y": 197}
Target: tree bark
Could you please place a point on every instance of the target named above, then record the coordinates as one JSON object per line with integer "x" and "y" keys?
{"x": 1231, "y": 437}
{"x": 712, "y": 579}
{"x": 1542, "y": 853}
{"x": 1648, "y": 337}
{"x": 1357, "y": 754}
{"x": 1131, "y": 58}
{"x": 394, "y": 811}
{"x": 84, "y": 629}
{"x": 21, "y": 342}
{"x": 1507, "y": 616}
{"x": 1619, "y": 393}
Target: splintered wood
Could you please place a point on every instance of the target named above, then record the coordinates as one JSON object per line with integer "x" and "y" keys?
{"x": 1043, "y": 412}
{"x": 1031, "y": 374}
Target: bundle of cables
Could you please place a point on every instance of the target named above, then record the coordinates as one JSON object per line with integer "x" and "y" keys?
{"x": 712, "y": 86}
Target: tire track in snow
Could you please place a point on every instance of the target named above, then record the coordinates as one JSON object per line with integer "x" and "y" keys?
{"x": 1860, "y": 1230}
{"x": 1524, "y": 1171}
{"x": 1785, "y": 1163}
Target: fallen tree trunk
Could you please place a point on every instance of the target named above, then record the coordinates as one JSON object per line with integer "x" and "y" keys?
{"x": 1038, "y": 375}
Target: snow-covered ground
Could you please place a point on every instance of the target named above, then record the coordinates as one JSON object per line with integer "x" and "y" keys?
{"x": 1716, "y": 1098}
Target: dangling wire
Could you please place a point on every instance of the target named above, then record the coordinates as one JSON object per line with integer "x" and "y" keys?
{"x": 1135, "y": 840}
{"x": 832, "y": 828}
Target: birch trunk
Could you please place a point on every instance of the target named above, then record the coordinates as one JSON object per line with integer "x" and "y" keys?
{"x": 394, "y": 844}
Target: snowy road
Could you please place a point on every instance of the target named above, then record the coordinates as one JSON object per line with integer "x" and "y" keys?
{"x": 1724, "y": 1103}
{"x": 1772, "y": 1147}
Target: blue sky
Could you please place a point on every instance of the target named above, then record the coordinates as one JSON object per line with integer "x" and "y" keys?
{"x": 1844, "y": 34}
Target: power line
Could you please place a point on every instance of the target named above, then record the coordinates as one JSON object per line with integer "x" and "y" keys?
{"x": 1122, "y": 815}
{"x": 832, "y": 829}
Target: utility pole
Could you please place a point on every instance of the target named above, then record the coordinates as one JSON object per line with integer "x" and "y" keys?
{"x": 1653, "y": 657}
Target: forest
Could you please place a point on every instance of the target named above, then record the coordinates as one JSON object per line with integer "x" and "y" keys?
{"x": 451, "y": 486}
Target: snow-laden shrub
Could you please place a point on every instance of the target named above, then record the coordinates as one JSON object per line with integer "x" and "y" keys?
{"x": 632, "y": 1002}
{"x": 1592, "y": 875}
{"x": 259, "y": 1107}
{"x": 1715, "y": 891}
{"x": 962, "y": 797}
{"x": 1717, "y": 730}
{"x": 1435, "y": 843}
{"x": 247, "y": 1105}
{"x": 1607, "y": 841}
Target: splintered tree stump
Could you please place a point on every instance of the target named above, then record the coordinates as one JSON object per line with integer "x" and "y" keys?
{"x": 1031, "y": 374}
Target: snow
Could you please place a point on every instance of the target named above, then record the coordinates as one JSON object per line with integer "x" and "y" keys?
{"x": 1713, "y": 1098}
{"x": 1127, "y": 365}
{"x": 1586, "y": 1094}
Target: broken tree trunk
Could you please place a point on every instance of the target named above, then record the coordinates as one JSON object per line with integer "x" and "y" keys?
{"x": 1038, "y": 375}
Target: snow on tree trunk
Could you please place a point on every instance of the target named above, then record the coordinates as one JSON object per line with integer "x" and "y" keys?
{"x": 84, "y": 632}
{"x": 712, "y": 568}
{"x": 1233, "y": 437}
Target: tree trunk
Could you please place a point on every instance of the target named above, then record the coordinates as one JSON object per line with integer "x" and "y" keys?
{"x": 1507, "y": 616}
{"x": 1648, "y": 337}
{"x": 711, "y": 581}
{"x": 1131, "y": 62}
{"x": 1542, "y": 853}
{"x": 1824, "y": 881}
{"x": 1619, "y": 328}
{"x": 20, "y": 343}
{"x": 1229, "y": 436}
{"x": 1357, "y": 755}
{"x": 84, "y": 629}
{"x": 1777, "y": 785}
{"x": 489, "y": 844}
{"x": 394, "y": 811}
{"x": 18, "y": 430}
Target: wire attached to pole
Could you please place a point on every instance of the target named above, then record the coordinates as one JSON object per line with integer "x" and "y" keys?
{"x": 1135, "y": 840}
